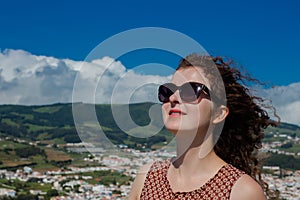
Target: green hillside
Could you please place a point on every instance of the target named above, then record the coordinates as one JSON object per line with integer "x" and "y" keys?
{"x": 55, "y": 123}
{"x": 285, "y": 128}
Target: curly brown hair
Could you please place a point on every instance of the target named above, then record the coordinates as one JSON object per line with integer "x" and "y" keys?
{"x": 243, "y": 129}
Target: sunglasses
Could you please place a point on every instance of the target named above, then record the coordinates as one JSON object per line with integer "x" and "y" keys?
{"x": 189, "y": 92}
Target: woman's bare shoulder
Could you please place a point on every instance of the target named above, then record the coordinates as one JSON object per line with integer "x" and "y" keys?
{"x": 138, "y": 183}
{"x": 247, "y": 188}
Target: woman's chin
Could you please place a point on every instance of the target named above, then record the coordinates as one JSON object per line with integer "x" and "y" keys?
{"x": 180, "y": 130}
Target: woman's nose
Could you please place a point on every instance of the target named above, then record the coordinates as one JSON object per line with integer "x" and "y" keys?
{"x": 175, "y": 97}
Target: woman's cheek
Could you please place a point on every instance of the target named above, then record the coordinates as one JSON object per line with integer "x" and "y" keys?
{"x": 164, "y": 112}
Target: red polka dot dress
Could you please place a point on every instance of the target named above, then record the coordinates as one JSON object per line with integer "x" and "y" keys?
{"x": 157, "y": 186}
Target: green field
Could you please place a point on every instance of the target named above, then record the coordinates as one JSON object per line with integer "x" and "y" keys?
{"x": 54, "y": 125}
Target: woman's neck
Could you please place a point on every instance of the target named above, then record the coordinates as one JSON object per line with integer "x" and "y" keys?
{"x": 195, "y": 154}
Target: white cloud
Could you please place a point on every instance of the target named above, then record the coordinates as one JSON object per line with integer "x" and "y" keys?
{"x": 30, "y": 80}
{"x": 286, "y": 100}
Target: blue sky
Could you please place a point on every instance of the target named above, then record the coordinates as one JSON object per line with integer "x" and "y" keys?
{"x": 261, "y": 35}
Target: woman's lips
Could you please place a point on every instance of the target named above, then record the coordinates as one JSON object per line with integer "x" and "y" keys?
{"x": 175, "y": 112}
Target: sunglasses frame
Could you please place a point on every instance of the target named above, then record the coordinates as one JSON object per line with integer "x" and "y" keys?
{"x": 199, "y": 90}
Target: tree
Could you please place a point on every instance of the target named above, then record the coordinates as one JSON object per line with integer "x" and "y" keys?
{"x": 27, "y": 197}
{"x": 29, "y": 151}
{"x": 52, "y": 193}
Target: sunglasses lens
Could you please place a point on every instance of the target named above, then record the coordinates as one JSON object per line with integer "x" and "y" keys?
{"x": 188, "y": 92}
{"x": 164, "y": 93}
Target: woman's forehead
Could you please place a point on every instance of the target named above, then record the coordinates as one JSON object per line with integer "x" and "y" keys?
{"x": 194, "y": 74}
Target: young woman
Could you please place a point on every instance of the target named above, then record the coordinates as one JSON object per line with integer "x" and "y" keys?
{"x": 218, "y": 126}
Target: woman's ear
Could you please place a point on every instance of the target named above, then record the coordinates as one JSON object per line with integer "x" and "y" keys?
{"x": 221, "y": 113}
